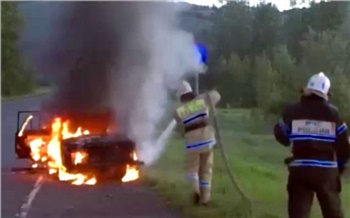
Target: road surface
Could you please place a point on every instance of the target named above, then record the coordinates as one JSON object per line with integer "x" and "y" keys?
{"x": 38, "y": 196}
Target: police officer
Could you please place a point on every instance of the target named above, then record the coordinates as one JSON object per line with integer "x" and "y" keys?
{"x": 199, "y": 138}
{"x": 319, "y": 153}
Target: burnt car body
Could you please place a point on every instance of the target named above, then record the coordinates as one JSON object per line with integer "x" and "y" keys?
{"x": 36, "y": 129}
{"x": 106, "y": 155}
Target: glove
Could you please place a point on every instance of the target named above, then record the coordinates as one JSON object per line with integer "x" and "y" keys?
{"x": 288, "y": 160}
{"x": 341, "y": 167}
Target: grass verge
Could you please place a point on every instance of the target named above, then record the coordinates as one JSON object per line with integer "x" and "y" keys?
{"x": 257, "y": 162}
{"x": 39, "y": 91}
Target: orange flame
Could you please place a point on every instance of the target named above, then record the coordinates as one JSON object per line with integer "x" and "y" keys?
{"x": 60, "y": 129}
{"x": 79, "y": 157}
{"x": 132, "y": 173}
{"x": 48, "y": 151}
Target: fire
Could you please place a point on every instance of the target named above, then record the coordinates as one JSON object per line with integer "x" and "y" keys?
{"x": 35, "y": 147}
{"x": 25, "y": 124}
{"x": 48, "y": 151}
{"x": 79, "y": 157}
{"x": 132, "y": 173}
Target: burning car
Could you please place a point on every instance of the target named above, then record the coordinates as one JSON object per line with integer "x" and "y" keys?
{"x": 84, "y": 156}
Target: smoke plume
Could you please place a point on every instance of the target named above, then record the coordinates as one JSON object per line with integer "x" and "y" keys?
{"x": 119, "y": 55}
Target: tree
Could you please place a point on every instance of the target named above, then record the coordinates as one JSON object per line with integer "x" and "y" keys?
{"x": 323, "y": 51}
{"x": 287, "y": 74}
{"x": 340, "y": 91}
{"x": 235, "y": 82}
{"x": 294, "y": 28}
{"x": 260, "y": 57}
{"x": 329, "y": 52}
{"x": 266, "y": 83}
{"x": 15, "y": 79}
{"x": 296, "y": 3}
{"x": 267, "y": 23}
{"x": 232, "y": 30}
{"x": 325, "y": 16}
{"x": 345, "y": 27}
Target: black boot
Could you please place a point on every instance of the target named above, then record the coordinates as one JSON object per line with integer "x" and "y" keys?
{"x": 196, "y": 198}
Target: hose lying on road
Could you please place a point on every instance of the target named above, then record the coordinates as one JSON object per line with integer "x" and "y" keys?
{"x": 245, "y": 199}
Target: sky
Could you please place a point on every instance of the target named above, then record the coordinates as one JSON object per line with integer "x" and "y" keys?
{"x": 281, "y": 4}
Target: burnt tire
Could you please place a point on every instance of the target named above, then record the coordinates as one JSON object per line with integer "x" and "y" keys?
{"x": 111, "y": 174}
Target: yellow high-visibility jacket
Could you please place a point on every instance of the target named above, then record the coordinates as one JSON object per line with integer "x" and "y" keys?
{"x": 194, "y": 118}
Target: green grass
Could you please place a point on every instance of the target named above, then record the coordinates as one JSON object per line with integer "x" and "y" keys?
{"x": 257, "y": 163}
{"x": 39, "y": 91}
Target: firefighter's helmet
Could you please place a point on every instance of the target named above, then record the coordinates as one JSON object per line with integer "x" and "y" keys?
{"x": 319, "y": 84}
{"x": 184, "y": 88}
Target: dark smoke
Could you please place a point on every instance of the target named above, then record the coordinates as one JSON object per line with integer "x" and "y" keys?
{"x": 96, "y": 42}
{"x": 87, "y": 45}
{"x": 119, "y": 56}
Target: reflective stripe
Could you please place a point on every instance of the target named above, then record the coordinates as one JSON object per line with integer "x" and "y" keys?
{"x": 313, "y": 163}
{"x": 312, "y": 137}
{"x": 194, "y": 117}
{"x": 192, "y": 176}
{"x": 195, "y": 106}
{"x": 284, "y": 127}
{"x": 313, "y": 130}
{"x": 200, "y": 144}
{"x": 204, "y": 184}
{"x": 341, "y": 129}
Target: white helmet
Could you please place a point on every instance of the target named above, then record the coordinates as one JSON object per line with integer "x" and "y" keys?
{"x": 319, "y": 84}
{"x": 184, "y": 88}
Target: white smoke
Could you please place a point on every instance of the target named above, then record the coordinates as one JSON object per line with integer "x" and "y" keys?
{"x": 171, "y": 56}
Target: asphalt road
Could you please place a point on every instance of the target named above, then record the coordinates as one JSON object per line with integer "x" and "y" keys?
{"x": 37, "y": 195}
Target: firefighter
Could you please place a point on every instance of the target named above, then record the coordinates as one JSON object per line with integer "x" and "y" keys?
{"x": 193, "y": 116}
{"x": 319, "y": 153}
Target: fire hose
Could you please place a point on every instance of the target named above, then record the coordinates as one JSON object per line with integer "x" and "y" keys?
{"x": 233, "y": 180}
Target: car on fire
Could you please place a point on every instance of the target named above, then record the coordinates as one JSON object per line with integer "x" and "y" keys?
{"x": 89, "y": 154}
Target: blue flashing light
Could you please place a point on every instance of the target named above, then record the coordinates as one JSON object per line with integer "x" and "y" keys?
{"x": 202, "y": 52}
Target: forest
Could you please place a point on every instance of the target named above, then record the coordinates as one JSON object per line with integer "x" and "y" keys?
{"x": 16, "y": 74}
{"x": 259, "y": 57}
